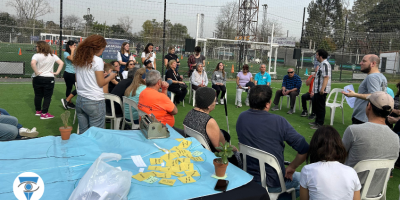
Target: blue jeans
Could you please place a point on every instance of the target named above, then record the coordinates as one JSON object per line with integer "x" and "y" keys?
{"x": 169, "y": 83}
{"x": 289, "y": 184}
{"x": 90, "y": 113}
{"x": 8, "y": 126}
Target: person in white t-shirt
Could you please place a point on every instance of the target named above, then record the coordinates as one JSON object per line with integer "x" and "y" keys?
{"x": 43, "y": 82}
{"x": 90, "y": 104}
{"x": 123, "y": 56}
{"x": 148, "y": 54}
{"x": 326, "y": 177}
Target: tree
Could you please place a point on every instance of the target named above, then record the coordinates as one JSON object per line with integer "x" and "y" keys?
{"x": 89, "y": 22}
{"x": 325, "y": 20}
{"x": 72, "y": 22}
{"x": 125, "y": 23}
{"x": 30, "y": 9}
{"x": 358, "y": 16}
{"x": 226, "y": 24}
{"x": 384, "y": 17}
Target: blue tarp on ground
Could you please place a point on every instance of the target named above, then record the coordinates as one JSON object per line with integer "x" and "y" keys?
{"x": 61, "y": 164}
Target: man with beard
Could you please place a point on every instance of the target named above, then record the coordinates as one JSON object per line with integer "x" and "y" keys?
{"x": 375, "y": 81}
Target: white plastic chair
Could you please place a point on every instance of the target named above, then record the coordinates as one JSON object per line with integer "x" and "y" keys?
{"x": 115, "y": 121}
{"x": 131, "y": 104}
{"x": 192, "y": 133}
{"x": 192, "y": 94}
{"x": 309, "y": 106}
{"x": 173, "y": 98}
{"x": 370, "y": 166}
{"x": 335, "y": 105}
{"x": 236, "y": 100}
{"x": 264, "y": 157}
{"x": 288, "y": 102}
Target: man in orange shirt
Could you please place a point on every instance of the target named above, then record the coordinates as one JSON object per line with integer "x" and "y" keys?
{"x": 151, "y": 101}
{"x": 308, "y": 96}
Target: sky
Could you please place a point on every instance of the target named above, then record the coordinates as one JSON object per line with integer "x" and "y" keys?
{"x": 288, "y": 13}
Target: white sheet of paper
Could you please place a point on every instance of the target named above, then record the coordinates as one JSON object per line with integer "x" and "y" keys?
{"x": 138, "y": 160}
{"x": 350, "y": 100}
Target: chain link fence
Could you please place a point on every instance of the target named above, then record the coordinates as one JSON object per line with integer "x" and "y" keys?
{"x": 348, "y": 34}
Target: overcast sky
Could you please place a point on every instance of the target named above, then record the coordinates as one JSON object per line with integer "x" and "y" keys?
{"x": 289, "y": 13}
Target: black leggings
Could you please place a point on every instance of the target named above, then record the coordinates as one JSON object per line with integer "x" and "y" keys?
{"x": 43, "y": 87}
{"x": 180, "y": 93}
{"x": 218, "y": 89}
{"x": 70, "y": 80}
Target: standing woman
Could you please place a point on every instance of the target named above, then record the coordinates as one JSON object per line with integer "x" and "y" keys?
{"x": 219, "y": 81}
{"x": 69, "y": 75}
{"x": 90, "y": 104}
{"x": 148, "y": 54}
{"x": 43, "y": 83}
{"x": 171, "y": 56}
{"x": 173, "y": 75}
{"x": 123, "y": 56}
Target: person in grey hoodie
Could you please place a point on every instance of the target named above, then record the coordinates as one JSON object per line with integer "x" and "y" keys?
{"x": 219, "y": 81}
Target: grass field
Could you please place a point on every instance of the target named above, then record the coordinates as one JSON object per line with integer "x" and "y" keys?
{"x": 17, "y": 99}
{"x": 9, "y": 52}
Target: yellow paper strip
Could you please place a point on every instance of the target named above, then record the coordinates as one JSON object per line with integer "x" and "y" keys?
{"x": 180, "y": 139}
{"x": 141, "y": 176}
{"x": 187, "y": 179}
{"x": 197, "y": 159}
{"x": 184, "y": 144}
{"x": 192, "y": 173}
{"x": 163, "y": 175}
{"x": 155, "y": 161}
{"x": 169, "y": 182}
{"x": 177, "y": 174}
{"x": 168, "y": 157}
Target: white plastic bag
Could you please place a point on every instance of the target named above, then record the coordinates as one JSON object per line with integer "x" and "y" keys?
{"x": 103, "y": 181}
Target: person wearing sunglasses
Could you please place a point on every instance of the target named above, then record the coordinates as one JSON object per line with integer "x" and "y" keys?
{"x": 129, "y": 65}
{"x": 290, "y": 86}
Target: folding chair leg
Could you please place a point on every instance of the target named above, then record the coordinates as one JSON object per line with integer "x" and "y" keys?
{"x": 288, "y": 101}
{"x": 332, "y": 115}
{"x": 280, "y": 108}
{"x": 117, "y": 122}
{"x": 294, "y": 195}
{"x": 342, "y": 116}
{"x": 299, "y": 103}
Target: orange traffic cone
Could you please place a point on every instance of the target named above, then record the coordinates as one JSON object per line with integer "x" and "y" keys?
{"x": 55, "y": 52}
{"x": 20, "y": 52}
{"x": 233, "y": 69}
{"x": 181, "y": 57}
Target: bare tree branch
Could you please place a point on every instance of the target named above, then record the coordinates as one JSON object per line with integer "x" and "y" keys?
{"x": 30, "y": 9}
{"x": 125, "y": 23}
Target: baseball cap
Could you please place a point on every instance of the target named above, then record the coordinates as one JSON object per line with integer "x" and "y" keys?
{"x": 381, "y": 100}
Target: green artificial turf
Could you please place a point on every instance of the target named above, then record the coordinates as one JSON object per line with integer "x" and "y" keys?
{"x": 17, "y": 99}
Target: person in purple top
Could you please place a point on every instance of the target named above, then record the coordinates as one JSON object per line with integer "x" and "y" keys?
{"x": 268, "y": 132}
{"x": 290, "y": 86}
{"x": 243, "y": 78}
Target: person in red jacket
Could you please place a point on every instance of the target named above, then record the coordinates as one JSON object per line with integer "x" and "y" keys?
{"x": 308, "y": 96}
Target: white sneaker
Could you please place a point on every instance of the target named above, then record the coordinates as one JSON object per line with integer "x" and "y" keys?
{"x": 216, "y": 103}
{"x": 222, "y": 101}
{"x": 28, "y": 133}
{"x": 239, "y": 105}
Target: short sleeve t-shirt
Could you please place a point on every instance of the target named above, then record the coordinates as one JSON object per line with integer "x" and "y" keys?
{"x": 329, "y": 180}
{"x": 154, "y": 102}
{"x": 262, "y": 79}
{"x": 87, "y": 82}
{"x": 324, "y": 70}
{"x": 374, "y": 82}
{"x": 243, "y": 79}
{"x": 68, "y": 64}
{"x": 144, "y": 55}
{"x": 200, "y": 59}
{"x": 45, "y": 64}
{"x": 119, "y": 57}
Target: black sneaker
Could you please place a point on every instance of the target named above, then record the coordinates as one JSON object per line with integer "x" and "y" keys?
{"x": 316, "y": 126}
{"x": 71, "y": 106}
{"x": 64, "y": 104}
{"x": 312, "y": 124}
{"x": 304, "y": 114}
{"x": 311, "y": 117}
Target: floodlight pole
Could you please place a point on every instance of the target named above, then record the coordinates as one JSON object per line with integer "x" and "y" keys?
{"x": 163, "y": 46}
{"x": 60, "y": 41}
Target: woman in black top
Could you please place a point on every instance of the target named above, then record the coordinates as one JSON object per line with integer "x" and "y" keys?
{"x": 173, "y": 75}
{"x": 171, "y": 56}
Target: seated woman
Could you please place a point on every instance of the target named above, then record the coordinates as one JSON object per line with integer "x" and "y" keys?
{"x": 326, "y": 177}
{"x": 199, "y": 78}
{"x": 199, "y": 119}
{"x": 219, "y": 81}
{"x": 10, "y": 129}
{"x": 243, "y": 79}
{"x": 133, "y": 92}
{"x": 173, "y": 75}
{"x": 130, "y": 65}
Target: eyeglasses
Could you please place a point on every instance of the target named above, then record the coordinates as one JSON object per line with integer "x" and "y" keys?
{"x": 290, "y": 72}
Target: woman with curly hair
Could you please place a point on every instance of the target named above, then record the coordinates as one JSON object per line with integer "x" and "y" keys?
{"x": 326, "y": 176}
{"x": 89, "y": 67}
{"x": 43, "y": 82}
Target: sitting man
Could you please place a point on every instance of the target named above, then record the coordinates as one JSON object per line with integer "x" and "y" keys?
{"x": 10, "y": 129}
{"x": 308, "y": 96}
{"x": 260, "y": 129}
{"x": 373, "y": 139}
{"x": 151, "y": 101}
{"x": 262, "y": 77}
{"x": 290, "y": 86}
